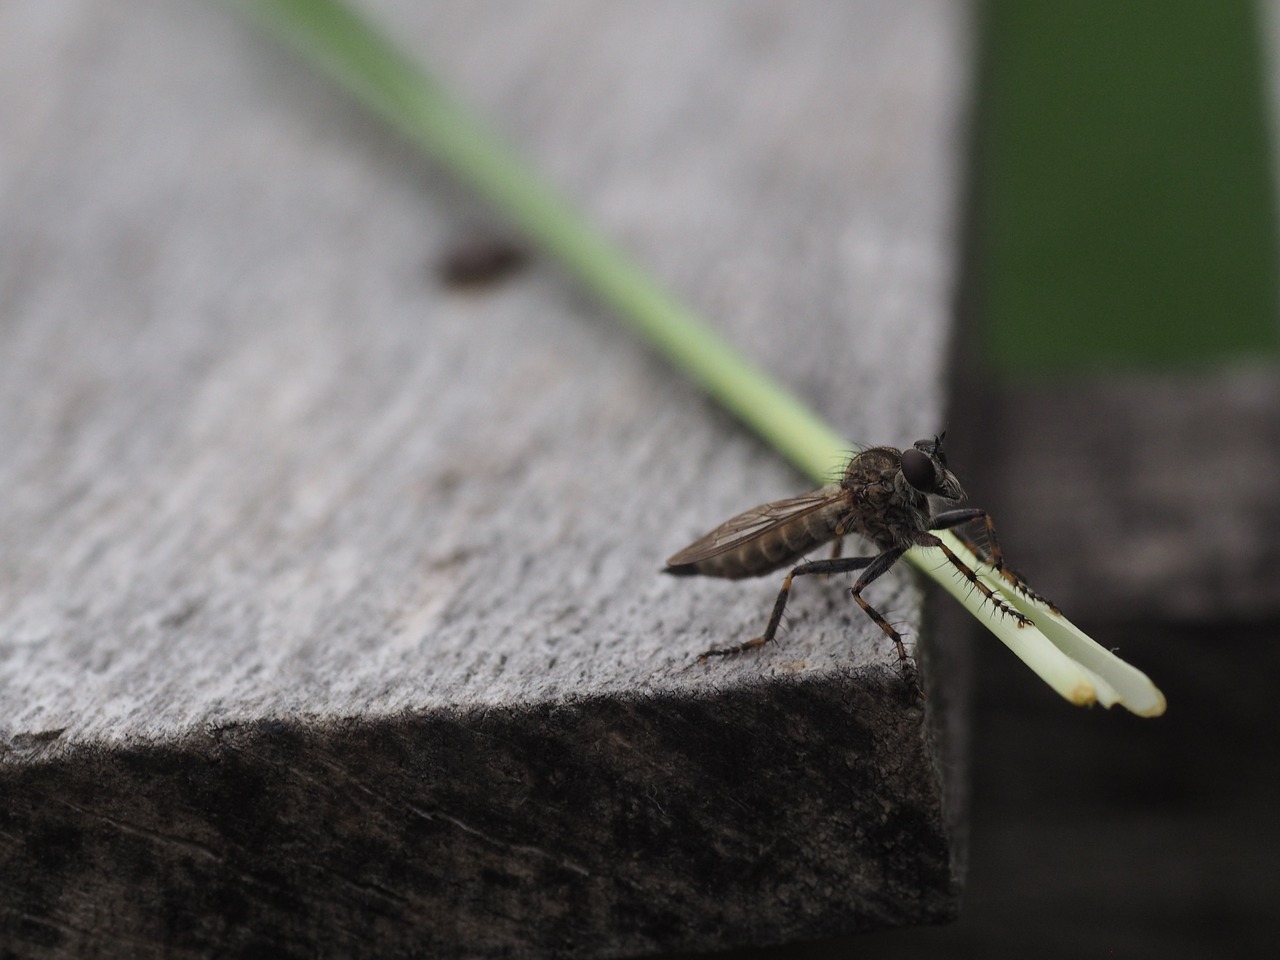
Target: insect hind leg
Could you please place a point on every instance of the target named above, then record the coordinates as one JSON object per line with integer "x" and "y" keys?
{"x": 814, "y": 567}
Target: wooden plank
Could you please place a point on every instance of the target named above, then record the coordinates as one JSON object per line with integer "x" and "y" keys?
{"x": 1167, "y": 514}
{"x": 329, "y": 607}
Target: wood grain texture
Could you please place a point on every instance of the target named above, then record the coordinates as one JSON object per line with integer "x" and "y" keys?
{"x": 335, "y": 591}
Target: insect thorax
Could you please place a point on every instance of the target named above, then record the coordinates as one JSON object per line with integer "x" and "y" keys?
{"x": 886, "y": 509}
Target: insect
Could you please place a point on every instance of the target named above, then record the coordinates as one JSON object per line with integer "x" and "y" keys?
{"x": 887, "y": 496}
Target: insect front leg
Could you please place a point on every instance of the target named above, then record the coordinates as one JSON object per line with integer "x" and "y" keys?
{"x": 836, "y": 565}
{"x": 929, "y": 540}
{"x": 950, "y": 519}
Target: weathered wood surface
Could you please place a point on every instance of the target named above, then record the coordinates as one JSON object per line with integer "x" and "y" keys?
{"x": 329, "y": 605}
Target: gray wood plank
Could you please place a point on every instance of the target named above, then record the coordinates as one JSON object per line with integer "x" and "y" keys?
{"x": 331, "y": 594}
{"x": 1168, "y": 514}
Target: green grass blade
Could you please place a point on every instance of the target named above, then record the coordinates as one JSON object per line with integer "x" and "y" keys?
{"x": 344, "y": 46}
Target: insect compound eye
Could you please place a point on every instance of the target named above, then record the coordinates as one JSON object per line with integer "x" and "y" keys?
{"x": 918, "y": 469}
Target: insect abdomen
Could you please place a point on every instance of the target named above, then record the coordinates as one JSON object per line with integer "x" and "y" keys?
{"x": 770, "y": 551}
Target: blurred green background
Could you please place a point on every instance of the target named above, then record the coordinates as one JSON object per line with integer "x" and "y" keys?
{"x": 1126, "y": 215}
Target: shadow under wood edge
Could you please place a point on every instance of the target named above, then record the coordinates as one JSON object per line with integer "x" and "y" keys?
{"x": 789, "y": 809}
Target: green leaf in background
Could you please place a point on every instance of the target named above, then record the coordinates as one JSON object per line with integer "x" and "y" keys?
{"x": 1127, "y": 212}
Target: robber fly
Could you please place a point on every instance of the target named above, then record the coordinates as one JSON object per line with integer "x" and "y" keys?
{"x": 886, "y": 496}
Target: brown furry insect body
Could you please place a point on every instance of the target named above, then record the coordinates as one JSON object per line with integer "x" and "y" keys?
{"x": 886, "y": 496}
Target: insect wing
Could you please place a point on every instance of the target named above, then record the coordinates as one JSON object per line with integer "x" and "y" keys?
{"x": 754, "y": 523}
